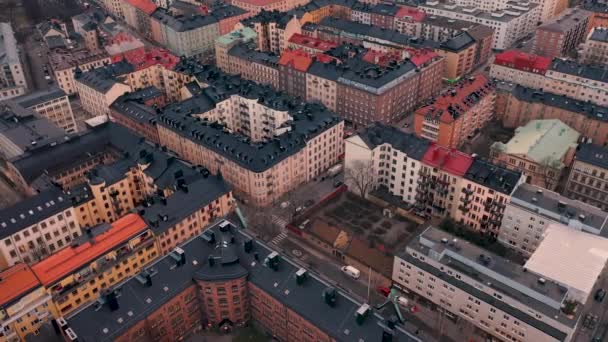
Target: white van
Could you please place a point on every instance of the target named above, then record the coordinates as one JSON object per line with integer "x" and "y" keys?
{"x": 351, "y": 271}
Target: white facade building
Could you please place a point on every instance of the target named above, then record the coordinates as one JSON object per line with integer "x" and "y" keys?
{"x": 510, "y": 24}
{"x": 532, "y": 209}
{"x": 12, "y": 78}
{"x": 492, "y": 293}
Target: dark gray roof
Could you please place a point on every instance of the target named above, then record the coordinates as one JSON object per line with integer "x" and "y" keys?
{"x": 181, "y": 22}
{"x": 201, "y": 190}
{"x": 595, "y": 6}
{"x": 378, "y": 134}
{"x": 265, "y": 17}
{"x": 32, "y": 210}
{"x": 593, "y": 72}
{"x": 222, "y": 10}
{"x": 455, "y": 24}
{"x": 493, "y": 176}
{"x": 26, "y": 129}
{"x": 137, "y": 301}
{"x": 458, "y": 42}
{"x": 309, "y": 120}
{"x": 592, "y": 154}
{"x": 501, "y": 305}
{"x": 528, "y": 196}
{"x": 249, "y": 52}
{"x": 361, "y": 31}
{"x": 40, "y": 96}
{"x": 132, "y": 105}
{"x": 593, "y": 111}
{"x": 102, "y": 79}
{"x": 600, "y": 34}
{"x": 73, "y": 148}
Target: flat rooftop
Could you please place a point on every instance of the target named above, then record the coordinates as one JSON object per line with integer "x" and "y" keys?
{"x": 136, "y": 302}
{"x": 496, "y": 273}
{"x": 570, "y": 257}
{"x": 561, "y": 209}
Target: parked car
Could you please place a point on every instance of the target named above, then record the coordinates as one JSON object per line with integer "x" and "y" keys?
{"x": 599, "y": 295}
{"x": 351, "y": 271}
{"x": 383, "y": 290}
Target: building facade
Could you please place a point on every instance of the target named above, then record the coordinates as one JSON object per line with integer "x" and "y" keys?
{"x": 561, "y": 36}
{"x": 595, "y": 48}
{"x": 458, "y": 114}
{"x": 65, "y": 63}
{"x": 541, "y": 149}
{"x": 12, "y": 76}
{"x": 587, "y": 179}
{"x": 525, "y": 69}
{"x": 52, "y": 104}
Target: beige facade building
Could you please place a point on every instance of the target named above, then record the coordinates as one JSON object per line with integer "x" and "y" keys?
{"x": 521, "y": 68}
{"x": 273, "y": 29}
{"x": 64, "y": 64}
{"x": 532, "y": 209}
{"x": 588, "y": 179}
{"x": 595, "y": 48}
{"x": 225, "y": 42}
{"x": 541, "y": 149}
{"x": 490, "y": 292}
{"x": 578, "y": 81}
{"x": 99, "y": 88}
{"x": 12, "y": 76}
{"x": 53, "y": 104}
{"x": 36, "y": 227}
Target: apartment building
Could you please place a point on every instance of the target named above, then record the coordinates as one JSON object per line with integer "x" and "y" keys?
{"x": 587, "y": 178}
{"x": 578, "y": 81}
{"x": 541, "y": 149}
{"x": 137, "y": 15}
{"x": 98, "y": 88}
{"x": 458, "y": 114}
{"x": 287, "y": 144}
{"x": 12, "y": 77}
{"x": 562, "y": 36}
{"x": 252, "y": 64}
{"x": 99, "y": 259}
{"x": 459, "y": 53}
{"x": 225, "y": 42}
{"x": 441, "y": 29}
{"x": 525, "y": 69}
{"x": 53, "y": 104}
{"x": 64, "y": 64}
{"x": 485, "y": 191}
{"x": 598, "y": 9}
{"x": 136, "y": 111}
{"x": 381, "y": 14}
{"x": 273, "y": 29}
{"x": 595, "y": 48}
{"x": 36, "y": 227}
{"x": 23, "y": 130}
{"x": 310, "y": 45}
{"x": 384, "y": 156}
{"x": 293, "y": 66}
{"x": 24, "y": 305}
{"x": 241, "y": 281}
{"x": 510, "y": 24}
{"x": 521, "y": 105}
{"x": 188, "y": 35}
{"x": 532, "y": 209}
{"x": 490, "y": 292}
{"x": 188, "y": 210}
{"x": 255, "y": 7}
{"x": 548, "y": 8}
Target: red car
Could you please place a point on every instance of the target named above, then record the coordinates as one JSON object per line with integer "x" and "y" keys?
{"x": 383, "y": 290}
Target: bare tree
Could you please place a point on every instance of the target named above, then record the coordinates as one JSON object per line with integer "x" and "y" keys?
{"x": 360, "y": 176}
{"x": 261, "y": 221}
{"x": 547, "y": 173}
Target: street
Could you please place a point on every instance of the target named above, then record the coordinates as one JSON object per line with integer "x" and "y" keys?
{"x": 36, "y": 59}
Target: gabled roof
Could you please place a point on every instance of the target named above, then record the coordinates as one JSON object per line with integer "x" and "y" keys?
{"x": 16, "y": 282}
{"x": 447, "y": 159}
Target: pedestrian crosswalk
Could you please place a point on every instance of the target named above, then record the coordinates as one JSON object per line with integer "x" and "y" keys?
{"x": 281, "y": 223}
{"x": 277, "y": 239}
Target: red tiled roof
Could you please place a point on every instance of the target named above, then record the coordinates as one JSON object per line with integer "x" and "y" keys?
{"x": 381, "y": 58}
{"x": 151, "y": 57}
{"x": 146, "y": 6}
{"x": 311, "y": 42}
{"x": 416, "y": 14}
{"x": 447, "y": 159}
{"x": 297, "y": 59}
{"x": 257, "y": 2}
{"x": 454, "y": 103}
{"x": 421, "y": 56}
{"x": 523, "y": 61}
{"x": 70, "y": 259}
{"x": 16, "y": 282}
